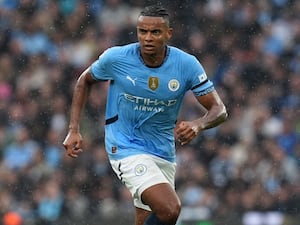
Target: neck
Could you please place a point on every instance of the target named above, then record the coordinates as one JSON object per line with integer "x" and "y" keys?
{"x": 154, "y": 60}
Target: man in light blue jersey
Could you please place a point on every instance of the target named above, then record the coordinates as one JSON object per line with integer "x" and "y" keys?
{"x": 148, "y": 81}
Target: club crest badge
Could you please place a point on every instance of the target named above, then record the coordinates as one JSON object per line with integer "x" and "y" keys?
{"x": 153, "y": 83}
{"x": 173, "y": 85}
{"x": 140, "y": 169}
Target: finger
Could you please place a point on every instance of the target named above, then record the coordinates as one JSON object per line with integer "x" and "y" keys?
{"x": 183, "y": 142}
{"x": 74, "y": 152}
{"x": 182, "y": 124}
{"x": 73, "y": 155}
{"x": 195, "y": 129}
{"x": 68, "y": 147}
{"x": 187, "y": 138}
{"x": 180, "y": 127}
{"x": 65, "y": 146}
{"x": 77, "y": 151}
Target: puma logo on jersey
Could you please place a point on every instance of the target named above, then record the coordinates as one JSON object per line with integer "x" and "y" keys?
{"x": 132, "y": 80}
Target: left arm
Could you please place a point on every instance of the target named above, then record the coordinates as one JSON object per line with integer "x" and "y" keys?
{"x": 216, "y": 114}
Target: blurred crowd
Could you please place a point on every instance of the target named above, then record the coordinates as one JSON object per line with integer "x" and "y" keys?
{"x": 246, "y": 170}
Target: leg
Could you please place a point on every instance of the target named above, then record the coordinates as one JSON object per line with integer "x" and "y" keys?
{"x": 164, "y": 203}
{"x": 141, "y": 215}
{"x": 151, "y": 183}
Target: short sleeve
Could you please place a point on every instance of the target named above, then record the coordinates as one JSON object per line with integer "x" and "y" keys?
{"x": 101, "y": 69}
{"x": 200, "y": 84}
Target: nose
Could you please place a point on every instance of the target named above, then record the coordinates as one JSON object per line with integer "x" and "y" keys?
{"x": 148, "y": 36}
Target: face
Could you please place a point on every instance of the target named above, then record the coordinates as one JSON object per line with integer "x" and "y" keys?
{"x": 153, "y": 34}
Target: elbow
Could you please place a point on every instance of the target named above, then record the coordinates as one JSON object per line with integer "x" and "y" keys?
{"x": 223, "y": 115}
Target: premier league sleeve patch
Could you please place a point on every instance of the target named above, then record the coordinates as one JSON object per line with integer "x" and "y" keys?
{"x": 202, "y": 77}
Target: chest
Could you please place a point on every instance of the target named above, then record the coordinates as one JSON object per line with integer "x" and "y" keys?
{"x": 159, "y": 83}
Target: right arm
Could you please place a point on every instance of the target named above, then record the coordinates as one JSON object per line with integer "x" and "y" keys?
{"x": 73, "y": 140}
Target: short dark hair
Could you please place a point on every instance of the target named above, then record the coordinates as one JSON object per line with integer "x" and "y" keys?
{"x": 156, "y": 11}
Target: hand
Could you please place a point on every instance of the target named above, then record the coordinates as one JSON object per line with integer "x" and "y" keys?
{"x": 185, "y": 132}
{"x": 72, "y": 144}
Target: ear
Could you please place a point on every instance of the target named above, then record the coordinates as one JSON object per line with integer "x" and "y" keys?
{"x": 170, "y": 33}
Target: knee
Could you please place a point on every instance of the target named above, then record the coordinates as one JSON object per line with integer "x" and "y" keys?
{"x": 169, "y": 213}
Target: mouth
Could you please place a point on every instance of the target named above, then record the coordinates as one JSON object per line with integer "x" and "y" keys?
{"x": 149, "y": 47}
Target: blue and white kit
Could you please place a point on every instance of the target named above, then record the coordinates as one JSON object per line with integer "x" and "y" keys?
{"x": 143, "y": 102}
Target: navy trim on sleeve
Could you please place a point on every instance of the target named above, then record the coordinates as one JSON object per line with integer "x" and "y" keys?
{"x": 111, "y": 120}
{"x": 205, "y": 92}
{"x": 198, "y": 85}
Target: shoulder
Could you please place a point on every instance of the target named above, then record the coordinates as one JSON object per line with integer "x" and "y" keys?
{"x": 186, "y": 63}
{"x": 118, "y": 53}
{"x": 174, "y": 51}
{"x": 121, "y": 50}
{"x": 113, "y": 57}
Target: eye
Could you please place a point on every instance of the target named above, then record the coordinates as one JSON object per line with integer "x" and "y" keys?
{"x": 156, "y": 32}
{"x": 142, "y": 31}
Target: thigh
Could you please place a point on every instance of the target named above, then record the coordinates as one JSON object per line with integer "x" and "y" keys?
{"x": 161, "y": 198}
{"x": 141, "y": 172}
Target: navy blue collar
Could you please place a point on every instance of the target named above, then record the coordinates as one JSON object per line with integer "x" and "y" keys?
{"x": 142, "y": 60}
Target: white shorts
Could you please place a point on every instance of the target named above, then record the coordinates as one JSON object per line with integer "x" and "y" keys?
{"x": 140, "y": 172}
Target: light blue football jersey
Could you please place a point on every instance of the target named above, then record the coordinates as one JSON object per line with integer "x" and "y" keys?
{"x": 143, "y": 102}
